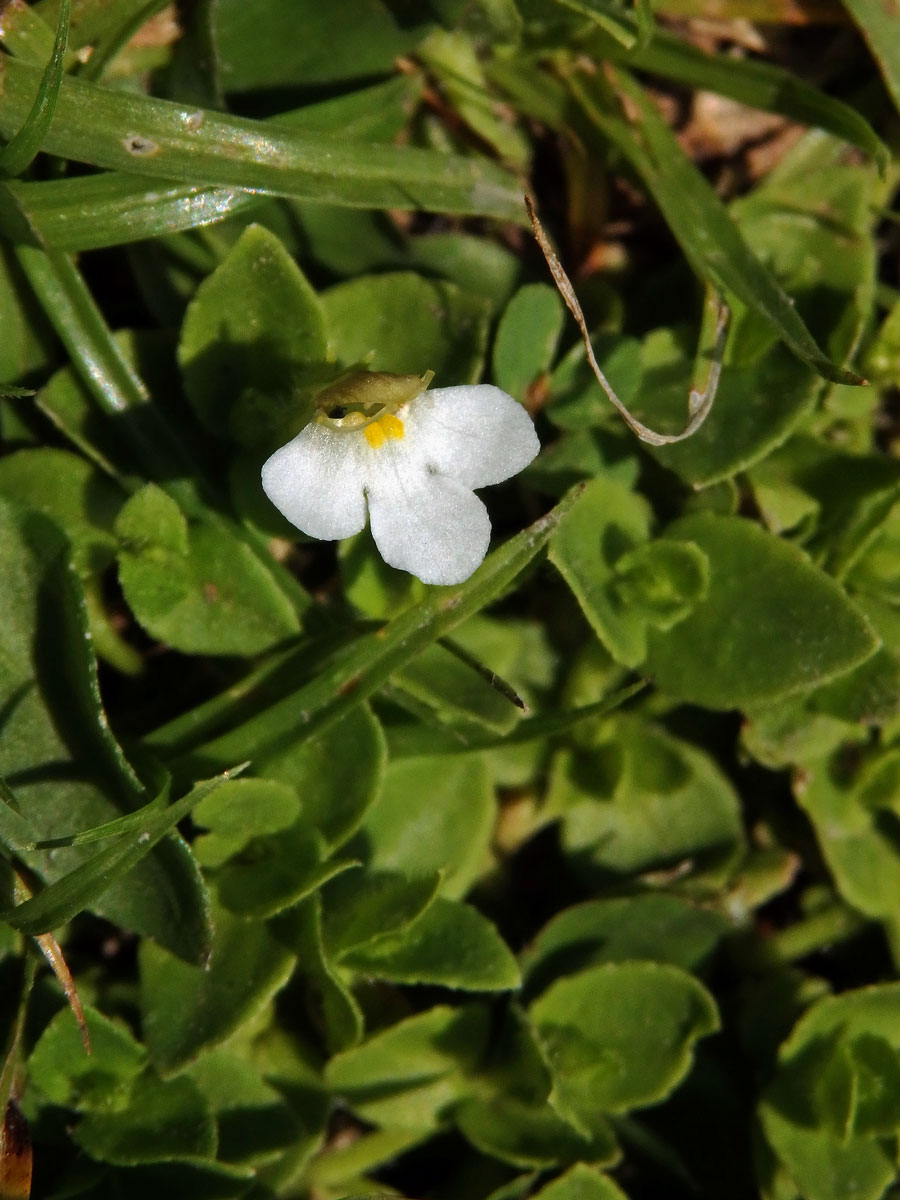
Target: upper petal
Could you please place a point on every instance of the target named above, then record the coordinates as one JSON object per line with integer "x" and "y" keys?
{"x": 423, "y": 522}
{"x": 316, "y": 481}
{"x": 475, "y": 433}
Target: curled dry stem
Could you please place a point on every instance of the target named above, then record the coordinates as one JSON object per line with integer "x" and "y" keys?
{"x": 700, "y": 401}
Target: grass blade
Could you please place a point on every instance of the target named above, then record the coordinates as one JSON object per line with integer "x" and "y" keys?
{"x": 409, "y": 741}
{"x": 17, "y": 155}
{"x": 158, "y": 138}
{"x": 92, "y": 212}
{"x": 708, "y": 235}
{"x": 64, "y": 899}
{"x": 757, "y": 84}
{"x": 362, "y": 668}
{"x": 98, "y": 360}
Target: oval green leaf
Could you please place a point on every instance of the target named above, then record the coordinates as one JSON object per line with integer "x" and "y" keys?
{"x": 620, "y": 1036}
{"x": 771, "y": 623}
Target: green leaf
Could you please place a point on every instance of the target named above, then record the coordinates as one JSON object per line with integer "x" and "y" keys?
{"x": 116, "y": 828}
{"x": 28, "y": 344}
{"x": 254, "y": 1120}
{"x": 620, "y": 1036}
{"x": 112, "y": 382}
{"x": 238, "y": 811}
{"x": 100, "y": 1081}
{"x": 362, "y": 907}
{"x": 771, "y": 623}
{"x": 252, "y": 327}
{"x": 822, "y": 252}
{"x": 875, "y": 575}
{"x": 450, "y": 944}
{"x": 100, "y": 362}
{"x": 854, "y": 819}
{"x": 518, "y": 650}
{"x": 348, "y": 1166}
{"x": 848, "y": 498}
{"x": 458, "y": 689}
{"x": 825, "y": 1163}
{"x": 606, "y": 521}
{"x": 876, "y": 1072}
{"x": 111, "y": 208}
{"x": 661, "y": 581}
{"x": 274, "y": 872}
{"x": 876, "y": 24}
{"x": 15, "y": 831}
{"x": 867, "y": 695}
{"x": 187, "y": 1009}
{"x": 53, "y": 715}
{"x": 657, "y": 928}
{"x": 18, "y": 153}
{"x": 497, "y": 19}
{"x": 406, "y": 324}
{"x": 193, "y": 585}
{"x": 130, "y": 132}
{"x": 640, "y": 800}
{"x": 408, "y": 1075}
{"x": 612, "y": 18}
{"x": 527, "y": 337}
{"x": 350, "y": 241}
{"x": 432, "y": 814}
{"x": 370, "y": 585}
{"x": 70, "y": 491}
{"x": 475, "y": 264}
{"x": 529, "y": 1136}
{"x": 378, "y": 112}
{"x": 751, "y": 81}
{"x": 300, "y": 928}
{"x": 576, "y": 398}
{"x": 833, "y": 1087}
{"x": 276, "y": 45}
{"x": 579, "y": 456}
{"x": 452, "y": 58}
{"x": 581, "y": 1183}
{"x": 414, "y": 741}
{"x": 107, "y": 28}
{"x": 356, "y": 672}
{"x": 165, "y": 1121}
{"x": 337, "y": 773}
{"x": 201, "y": 1180}
{"x": 764, "y": 393}
{"x": 152, "y": 522}
{"x": 68, "y": 895}
{"x": 70, "y": 404}
{"x": 27, "y": 35}
{"x": 708, "y": 235}
{"x": 882, "y": 360}
{"x": 784, "y": 732}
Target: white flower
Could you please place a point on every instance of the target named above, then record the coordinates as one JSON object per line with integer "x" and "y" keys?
{"x": 412, "y": 462}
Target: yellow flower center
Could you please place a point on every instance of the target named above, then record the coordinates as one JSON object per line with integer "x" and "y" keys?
{"x": 387, "y": 426}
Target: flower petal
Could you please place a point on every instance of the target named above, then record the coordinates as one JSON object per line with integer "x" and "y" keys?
{"x": 422, "y": 522}
{"x": 316, "y": 481}
{"x": 475, "y": 433}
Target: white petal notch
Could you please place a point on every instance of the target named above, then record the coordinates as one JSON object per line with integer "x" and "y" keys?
{"x": 409, "y": 456}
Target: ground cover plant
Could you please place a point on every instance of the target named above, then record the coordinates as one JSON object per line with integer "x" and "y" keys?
{"x": 570, "y": 873}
